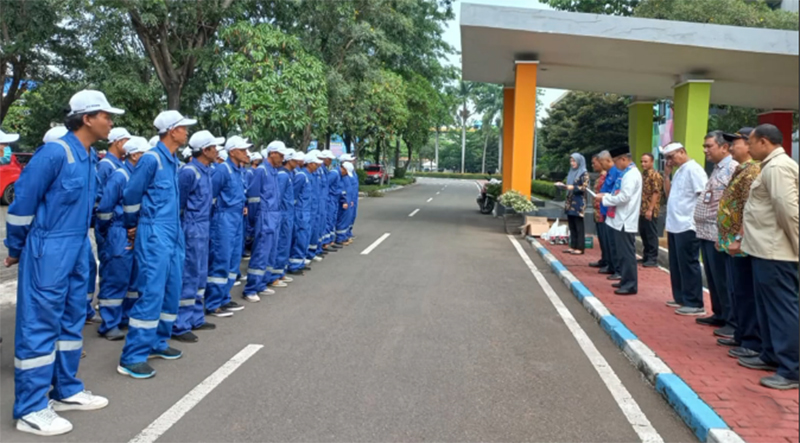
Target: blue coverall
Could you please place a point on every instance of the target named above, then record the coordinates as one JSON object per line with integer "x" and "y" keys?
{"x": 334, "y": 202}
{"x": 48, "y": 231}
{"x": 105, "y": 168}
{"x": 322, "y": 213}
{"x": 302, "y": 218}
{"x": 227, "y": 230}
{"x": 150, "y": 203}
{"x": 354, "y": 198}
{"x": 313, "y": 227}
{"x": 286, "y": 189}
{"x": 343, "y": 215}
{"x": 264, "y": 187}
{"x": 252, "y": 210}
{"x": 194, "y": 184}
{"x": 117, "y": 280}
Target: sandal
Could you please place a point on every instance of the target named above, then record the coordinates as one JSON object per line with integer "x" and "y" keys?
{"x": 567, "y": 251}
{"x": 576, "y": 252}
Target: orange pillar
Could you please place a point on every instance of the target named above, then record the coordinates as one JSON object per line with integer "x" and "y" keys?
{"x": 524, "y": 125}
{"x": 781, "y": 119}
{"x": 508, "y": 136}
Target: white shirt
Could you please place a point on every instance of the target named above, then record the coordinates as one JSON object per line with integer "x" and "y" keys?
{"x": 687, "y": 184}
{"x": 628, "y": 203}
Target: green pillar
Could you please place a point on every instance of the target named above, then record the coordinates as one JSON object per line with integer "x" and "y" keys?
{"x": 690, "y": 118}
{"x": 640, "y": 129}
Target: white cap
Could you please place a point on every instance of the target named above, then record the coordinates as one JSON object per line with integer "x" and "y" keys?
{"x": 154, "y": 141}
{"x": 223, "y": 155}
{"x": 168, "y": 120}
{"x": 118, "y": 134}
{"x": 275, "y": 146}
{"x": 204, "y": 139}
{"x": 187, "y": 152}
{"x": 288, "y": 153}
{"x": 88, "y": 101}
{"x": 299, "y": 156}
{"x": 346, "y": 158}
{"x": 348, "y": 167}
{"x": 312, "y": 158}
{"x": 237, "y": 142}
{"x": 135, "y": 145}
{"x": 55, "y": 133}
{"x": 326, "y": 154}
{"x": 8, "y": 138}
{"x": 672, "y": 147}
{"x": 255, "y": 156}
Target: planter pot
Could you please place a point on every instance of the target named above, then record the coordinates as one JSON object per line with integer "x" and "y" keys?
{"x": 513, "y": 221}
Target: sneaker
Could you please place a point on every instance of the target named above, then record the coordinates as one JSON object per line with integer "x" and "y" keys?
{"x": 187, "y": 337}
{"x": 252, "y": 298}
{"x": 114, "y": 334}
{"x": 649, "y": 265}
{"x": 232, "y": 306}
{"x": 779, "y": 382}
{"x": 279, "y": 284}
{"x": 674, "y": 304}
{"x": 724, "y": 332}
{"x": 729, "y": 342}
{"x": 44, "y": 422}
{"x": 82, "y": 401}
{"x": 317, "y": 259}
{"x": 167, "y": 354}
{"x": 710, "y": 321}
{"x": 688, "y": 310}
{"x": 307, "y": 262}
{"x": 295, "y": 272}
{"x": 287, "y": 279}
{"x": 242, "y": 278}
{"x": 756, "y": 363}
{"x": 614, "y": 277}
{"x": 597, "y": 264}
{"x": 83, "y": 353}
{"x": 741, "y": 352}
{"x": 137, "y": 370}
{"x": 205, "y": 327}
{"x": 266, "y": 291}
{"x": 238, "y": 283}
{"x": 219, "y": 312}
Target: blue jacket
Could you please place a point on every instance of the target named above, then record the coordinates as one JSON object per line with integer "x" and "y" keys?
{"x": 109, "y": 210}
{"x": 194, "y": 181}
{"x": 286, "y": 189}
{"x": 608, "y": 185}
{"x": 152, "y": 192}
{"x": 55, "y": 194}
{"x": 303, "y": 189}
{"x": 227, "y": 183}
{"x": 265, "y": 187}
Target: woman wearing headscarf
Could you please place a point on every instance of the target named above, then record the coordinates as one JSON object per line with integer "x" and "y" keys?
{"x": 577, "y": 182}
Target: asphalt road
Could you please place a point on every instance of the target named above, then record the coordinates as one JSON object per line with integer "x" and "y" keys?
{"x": 441, "y": 333}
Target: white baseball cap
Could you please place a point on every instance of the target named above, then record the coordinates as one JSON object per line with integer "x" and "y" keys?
{"x": 326, "y": 154}
{"x": 168, "y": 120}
{"x": 346, "y": 158}
{"x": 288, "y": 153}
{"x": 8, "y": 138}
{"x": 312, "y": 158}
{"x": 276, "y": 146}
{"x": 298, "y": 156}
{"x": 88, "y": 100}
{"x": 222, "y": 154}
{"x": 237, "y": 142}
{"x": 348, "y": 167}
{"x": 118, "y": 134}
{"x": 255, "y": 156}
{"x": 154, "y": 141}
{"x": 55, "y": 133}
{"x": 672, "y": 147}
{"x": 204, "y": 139}
{"x": 187, "y": 152}
{"x": 135, "y": 145}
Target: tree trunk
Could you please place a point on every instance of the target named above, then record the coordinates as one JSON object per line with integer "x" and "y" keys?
{"x": 396, "y": 153}
{"x": 328, "y": 140}
{"x": 500, "y": 152}
{"x": 410, "y": 152}
{"x": 485, "y": 146}
{"x": 348, "y": 140}
{"x": 174, "y": 96}
{"x": 436, "y": 149}
{"x": 377, "y": 150}
{"x": 463, "y": 144}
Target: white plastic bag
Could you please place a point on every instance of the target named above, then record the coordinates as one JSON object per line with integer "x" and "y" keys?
{"x": 556, "y": 234}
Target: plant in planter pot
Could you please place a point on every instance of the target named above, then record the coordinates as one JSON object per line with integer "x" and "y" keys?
{"x": 520, "y": 206}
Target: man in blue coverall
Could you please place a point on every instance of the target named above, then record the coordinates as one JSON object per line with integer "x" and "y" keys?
{"x": 151, "y": 213}
{"x": 194, "y": 183}
{"x": 117, "y": 284}
{"x": 227, "y": 227}
{"x": 48, "y": 227}
{"x": 286, "y": 188}
{"x": 302, "y": 214}
{"x": 332, "y": 193}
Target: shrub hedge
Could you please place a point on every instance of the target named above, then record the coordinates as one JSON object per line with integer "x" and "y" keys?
{"x": 456, "y": 175}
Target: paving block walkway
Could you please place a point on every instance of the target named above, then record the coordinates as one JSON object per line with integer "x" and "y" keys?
{"x": 756, "y": 413}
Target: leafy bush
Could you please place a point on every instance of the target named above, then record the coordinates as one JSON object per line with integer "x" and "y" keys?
{"x": 403, "y": 181}
{"x": 362, "y": 176}
{"x": 456, "y": 175}
{"x": 375, "y": 193}
{"x": 494, "y": 189}
{"x": 399, "y": 173}
{"x": 546, "y": 189}
{"x": 518, "y": 202}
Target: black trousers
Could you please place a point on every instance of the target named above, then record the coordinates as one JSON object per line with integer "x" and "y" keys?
{"x": 684, "y": 269}
{"x": 714, "y": 263}
{"x": 606, "y": 259}
{"x": 649, "y": 234}
{"x": 743, "y": 301}
{"x": 577, "y": 238}
{"x": 776, "y": 285}
{"x": 625, "y": 251}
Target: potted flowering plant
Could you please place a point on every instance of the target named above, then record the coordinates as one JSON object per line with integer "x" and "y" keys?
{"x": 516, "y": 206}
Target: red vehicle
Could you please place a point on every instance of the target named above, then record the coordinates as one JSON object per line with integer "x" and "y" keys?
{"x": 10, "y": 173}
{"x": 375, "y": 173}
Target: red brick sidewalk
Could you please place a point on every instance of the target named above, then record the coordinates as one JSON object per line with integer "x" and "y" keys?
{"x": 756, "y": 413}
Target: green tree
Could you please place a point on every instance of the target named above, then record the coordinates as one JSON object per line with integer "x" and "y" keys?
{"x": 609, "y": 7}
{"x": 722, "y": 12}
{"x": 465, "y": 93}
{"x": 488, "y": 102}
{"x": 277, "y": 89}
{"x": 421, "y": 102}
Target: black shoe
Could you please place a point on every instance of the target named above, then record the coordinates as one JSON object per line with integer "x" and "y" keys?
{"x": 331, "y": 249}
{"x": 741, "y": 352}
{"x": 605, "y": 271}
{"x": 757, "y": 363}
{"x": 205, "y": 327}
{"x": 729, "y": 342}
{"x": 779, "y": 382}
{"x": 186, "y": 338}
{"x": 295, "y": 272}
{"x": 625, "y": 292}
{"x": 137, "y": 370}
{"x": 616, "y": 285}
{"x": 246, "y": 254}
{"x": 710, "y": 321}
{"x": 615, "y": 277}
{"x": 114, "y": 334}
{"x": 639, "y": 260}
{"x": 649, "y": 265}
{"x": 597, "y": 264}
{"x": 166, "y": 354}
{"x": 306, "y": 268}
{"x": 724, "y": 332}
{"x": 232, "y": 306}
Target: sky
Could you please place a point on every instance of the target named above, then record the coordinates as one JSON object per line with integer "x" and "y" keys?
{"x": 453, "y": 36}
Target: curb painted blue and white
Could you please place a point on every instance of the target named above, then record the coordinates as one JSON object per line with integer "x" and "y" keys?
{"x": 704, "y": 422}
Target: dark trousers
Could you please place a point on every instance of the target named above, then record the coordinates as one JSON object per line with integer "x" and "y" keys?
{"x": 649, "y": 234}
{"x": 625, "y": 251}
{"x": 684, "y": 269}
{"x": 714, "y": 263}
{"x": 776, "y": 288}
{"x": 743, "y": 302}
{"x": 606, "y": 259}
{"x": 577, "y": 238}
{"x": 612, "y": 248}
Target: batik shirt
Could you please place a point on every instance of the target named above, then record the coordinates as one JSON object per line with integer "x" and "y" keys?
{"x": 652, "y": 184}
{"x": 731, "y": 205}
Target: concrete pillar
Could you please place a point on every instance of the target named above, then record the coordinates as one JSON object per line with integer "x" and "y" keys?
{"x": 508, "y": 136}
{"x": 690, "y": 121}
{"x": 783, "y": 120}
{"x": 524, "y": 126}
{"x": 640, "y": 129}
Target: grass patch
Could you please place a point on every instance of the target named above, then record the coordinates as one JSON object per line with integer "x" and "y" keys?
{"x": 403, "y": 181}
{"x": 372, "y": 188}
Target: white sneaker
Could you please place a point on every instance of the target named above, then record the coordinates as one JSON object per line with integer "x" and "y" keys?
{"x": 278, "y": 284}
{"x": 267, "y": 291}
{"x": 238, "y": 283}
{"x": 82, "y": 401}
{"x": 307, "y": 261}
{"x": 243, "y": 277}
{"x": 287, "y": 279}
{"x": 317, "y": 258}
{"x": 252, "y": 298}
{"x": 44, "y": 422}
